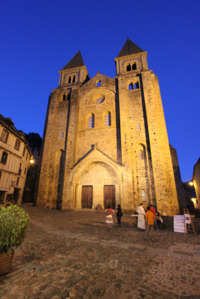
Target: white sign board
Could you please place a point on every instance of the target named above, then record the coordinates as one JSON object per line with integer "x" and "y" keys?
{"x": 187, "y": 218}
{"x": 179, "y": 224}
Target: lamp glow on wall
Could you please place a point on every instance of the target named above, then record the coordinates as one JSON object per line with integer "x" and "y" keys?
{"x": 32, "y": 161}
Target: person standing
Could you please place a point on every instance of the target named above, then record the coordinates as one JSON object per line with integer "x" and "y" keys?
{"x": 109, "y": 217}
{"x": 119, "y": 215}
{"x": 141, "y": 217}
{"x": 155, "y": 221}
{"x": 150, "y": 225}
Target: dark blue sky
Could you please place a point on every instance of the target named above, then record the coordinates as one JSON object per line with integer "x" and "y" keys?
{"x": 39, "y": 37}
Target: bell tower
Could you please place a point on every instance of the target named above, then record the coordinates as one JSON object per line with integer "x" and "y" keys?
{"x": 131, "y": 59}
{"x": 74, "y": 73}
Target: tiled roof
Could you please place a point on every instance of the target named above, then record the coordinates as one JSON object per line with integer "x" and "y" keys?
{"x": 8, "y": 124}
{"x": 76, "y": 61}
{"x": 129, "y": 48}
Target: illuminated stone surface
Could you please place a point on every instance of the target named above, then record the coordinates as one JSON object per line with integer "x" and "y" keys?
{"x": 131, "y": 154}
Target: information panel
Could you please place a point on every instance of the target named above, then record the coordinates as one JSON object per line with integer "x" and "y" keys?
{"x": 179, "y": 224}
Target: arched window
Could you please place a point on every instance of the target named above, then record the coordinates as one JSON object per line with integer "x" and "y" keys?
{"x": 64, "y": 97}
{"x": 108, "y": 119}
{"x": 91, "y": 121}
{"x": 74, "y": 79}
{"x": 128, "y": 68}
{"x": 134, "y": 66}
{"x": 141, "y": 155}
{"x": 62, "y": 135}
{"x": 136, "y": 85}
{"x": 98, "y": 83}
{"x": 143, "y": 195}
{"x": 138, "y": 127}
{"x": 130, "y": 87}
{"x": 69, "y": 79}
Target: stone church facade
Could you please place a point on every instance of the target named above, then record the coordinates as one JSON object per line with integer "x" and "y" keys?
{"x": 105, "y": 139}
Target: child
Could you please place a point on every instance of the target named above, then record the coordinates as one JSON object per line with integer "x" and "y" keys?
{"x": 109, "y": 217}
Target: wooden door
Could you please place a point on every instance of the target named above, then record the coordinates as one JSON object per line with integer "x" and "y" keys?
{"x": 87, "y": 197}
{"x": 109, "y": 196}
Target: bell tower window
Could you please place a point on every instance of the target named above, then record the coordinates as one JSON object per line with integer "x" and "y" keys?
{"x": 134, "y": 66}
{"x": 130, "y": 87}
{"x": 128, "y": 68}
{"x": 136, "y": 85}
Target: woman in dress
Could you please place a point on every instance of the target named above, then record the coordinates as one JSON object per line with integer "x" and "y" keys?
{"x": 109, "y": 217}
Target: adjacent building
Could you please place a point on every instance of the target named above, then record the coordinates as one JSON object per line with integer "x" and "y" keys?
{"x": 105, "y": 139}
{"x": 35, "y": 144}
{"x": 180, "y": 187}
{"x": 14, "y": 162}
{"x": 196, "y": 181}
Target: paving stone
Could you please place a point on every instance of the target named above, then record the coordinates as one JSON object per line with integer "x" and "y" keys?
{"x": 73, "y": 255}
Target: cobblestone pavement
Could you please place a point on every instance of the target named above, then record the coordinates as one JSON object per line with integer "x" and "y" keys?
{"x": 74, "y": 255}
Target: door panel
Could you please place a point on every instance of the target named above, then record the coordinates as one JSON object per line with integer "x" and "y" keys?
{"x": 87, "y": 197}
{"x": 109, "y": 196}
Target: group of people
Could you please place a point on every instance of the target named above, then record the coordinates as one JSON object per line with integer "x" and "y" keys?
{"x": 147, "y": 220}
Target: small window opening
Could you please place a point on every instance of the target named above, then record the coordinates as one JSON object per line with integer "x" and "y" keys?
{"x": 4, "y": 135}
{"x": 138, "y": 127}
{"x": 143, "y": 195}
{"x": 4, "y": 157}
{"x": 99, "y": 83}
{"x": 20, "y": 169}
{"x": 24, "y": 151}
{"x": 130, "y": 87}
{"x": 108, "y": 119}
{"x": 128, "y": 68}
{"x": 136, "y": 85}
{"x": 141, "y": 155}
{"x": 134, "y": 66}
{"x": 17, "y": 144}
{"x": 91, "y": 121}
{"x": 74, "y": 79}
{"x": 69, "y": 79}
{"x": 62, "y": 135}
{"x": 64, "y": 98}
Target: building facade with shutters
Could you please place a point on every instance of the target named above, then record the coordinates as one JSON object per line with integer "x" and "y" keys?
{"x": 14, "y": 162}
{"x": 105, "y": 139}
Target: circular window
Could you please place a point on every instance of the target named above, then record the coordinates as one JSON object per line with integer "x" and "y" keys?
{"x": 99, "y": 100}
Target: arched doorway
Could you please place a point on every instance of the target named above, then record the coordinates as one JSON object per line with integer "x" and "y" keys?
{"x": 97, "y": 184}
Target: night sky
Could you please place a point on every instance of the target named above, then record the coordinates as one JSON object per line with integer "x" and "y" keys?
{"x": 39, "y": 37}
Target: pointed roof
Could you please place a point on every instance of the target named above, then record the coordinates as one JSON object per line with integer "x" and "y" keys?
{"x": 129, "y": 48}
{"x": 76, "y": 61}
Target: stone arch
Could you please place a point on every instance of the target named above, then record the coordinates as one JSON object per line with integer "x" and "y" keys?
{"x": 96, "y": 173}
